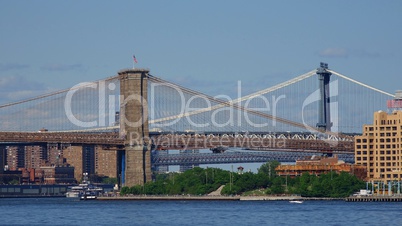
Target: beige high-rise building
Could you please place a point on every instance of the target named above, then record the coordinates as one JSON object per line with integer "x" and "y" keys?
{"x": 105, "y": 162}
{"x": 380, "y": 147}
{"x": 74, "y": 157}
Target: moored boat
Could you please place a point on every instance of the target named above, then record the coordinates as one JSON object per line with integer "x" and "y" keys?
{"x": 88, "y": 195}
{"x": 85, "y": 190}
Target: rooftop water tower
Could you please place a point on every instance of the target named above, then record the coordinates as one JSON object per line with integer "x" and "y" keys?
{"x": 396, "y": 103}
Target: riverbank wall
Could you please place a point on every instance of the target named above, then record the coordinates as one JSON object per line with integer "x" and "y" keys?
{"x": 374, "y": 199}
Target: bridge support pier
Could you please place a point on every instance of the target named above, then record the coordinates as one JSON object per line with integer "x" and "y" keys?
{"x": 137, "y": 166}
{"x": 134, "y": 126}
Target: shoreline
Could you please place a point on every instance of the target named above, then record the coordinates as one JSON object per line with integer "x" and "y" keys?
{"x": 392, "y": 198}
{"x": 215, "y": 198}
{"x": 31, "y": 196}
{"x": 170, "y": 198}
{"x": 287, "y": 198}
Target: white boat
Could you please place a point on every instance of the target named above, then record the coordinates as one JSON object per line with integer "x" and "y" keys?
{"x": 296, "y": 201}
{"x": 72, "y": 194}
{"x": 88, "y": 195}
{"x": 85, "y": 190}
{"x": 75, "y": 191}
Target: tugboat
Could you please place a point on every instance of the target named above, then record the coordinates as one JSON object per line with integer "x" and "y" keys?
{"x": 85, "y": 190}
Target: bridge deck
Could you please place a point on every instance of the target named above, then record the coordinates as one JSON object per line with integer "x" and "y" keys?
{"x": 187, "y": 141}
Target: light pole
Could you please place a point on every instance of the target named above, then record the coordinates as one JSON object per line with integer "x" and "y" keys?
{"x": 231, "y": 179}
{"x": 269, "y": 169}
{"x": 286, "y": 181}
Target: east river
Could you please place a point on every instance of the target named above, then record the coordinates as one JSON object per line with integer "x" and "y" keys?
{"x": 64, "y": 211}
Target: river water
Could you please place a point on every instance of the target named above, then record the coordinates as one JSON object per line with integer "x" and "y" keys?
{"x": 64, "y": 211}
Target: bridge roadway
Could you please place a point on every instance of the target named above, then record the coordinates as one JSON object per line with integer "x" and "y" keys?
{"x": 191, "y": 141}
{"x": 107, "y": 138}
{"x": 235, "y": 157}
{"x": 253, "y": 141}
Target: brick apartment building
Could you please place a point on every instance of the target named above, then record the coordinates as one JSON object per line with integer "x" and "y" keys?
{"x": 379, "y": 148}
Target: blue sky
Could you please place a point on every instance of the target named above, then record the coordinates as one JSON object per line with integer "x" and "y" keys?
{"x": 204, "y": 45}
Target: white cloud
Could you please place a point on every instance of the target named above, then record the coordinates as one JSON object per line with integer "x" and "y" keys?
{"x": 12, "y": 66}
{"x": 334, "y": 52}
{"x": 365, "y": 54}
{"x": 62, "y": 67}
{"x": 343, "y": 53}
{"x": 13, "y": 88}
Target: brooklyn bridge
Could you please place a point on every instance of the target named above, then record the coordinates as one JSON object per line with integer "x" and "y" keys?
{"x": 135, "y": 114}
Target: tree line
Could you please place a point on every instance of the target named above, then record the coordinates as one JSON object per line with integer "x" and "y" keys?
{"x": 199, "y": 181}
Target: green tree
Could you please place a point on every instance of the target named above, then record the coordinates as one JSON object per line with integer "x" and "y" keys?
{"x": 125, "y": 190}
{"x": 199, "y": 181}
{"x": 268, "y": 168}
{"x": 277, "y": 186}
{"x": 109, "y": 180}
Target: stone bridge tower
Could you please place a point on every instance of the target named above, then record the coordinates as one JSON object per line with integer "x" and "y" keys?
{"x": 134, "y": 125}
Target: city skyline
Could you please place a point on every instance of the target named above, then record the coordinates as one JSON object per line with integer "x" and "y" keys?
{"x": 49, "y": 46}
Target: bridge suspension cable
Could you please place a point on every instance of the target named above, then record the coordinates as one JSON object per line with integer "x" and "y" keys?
{"x": 232, "y": 103}
{"x": 360, "y": 83}
{"x": 55, "y": 93}
{"x": 223, "y": 103}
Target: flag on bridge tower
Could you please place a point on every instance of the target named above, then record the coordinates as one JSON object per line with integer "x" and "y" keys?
{"x": 134, "y": 61}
